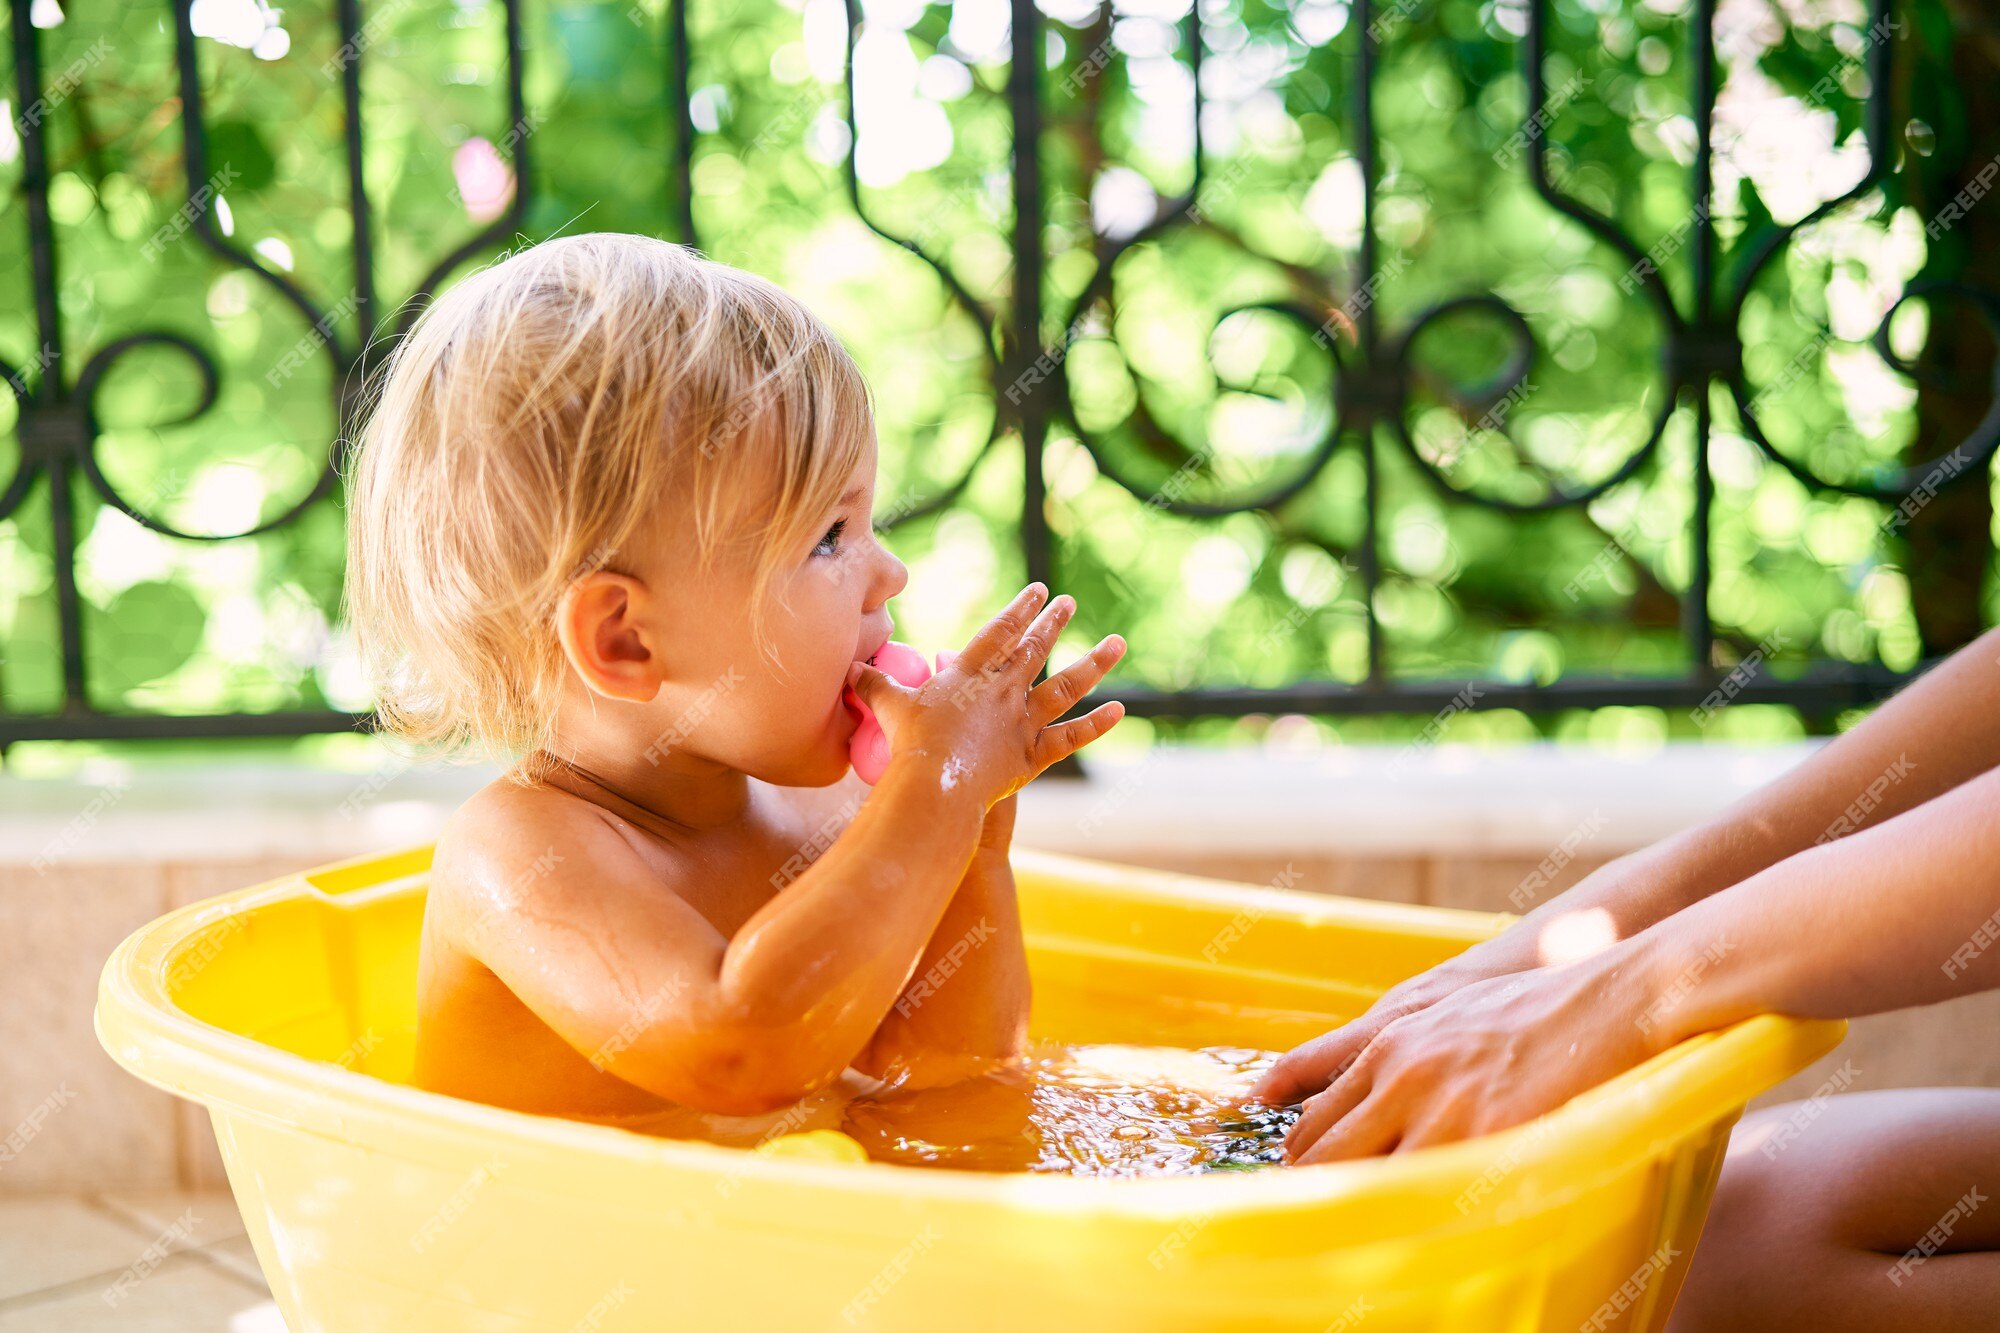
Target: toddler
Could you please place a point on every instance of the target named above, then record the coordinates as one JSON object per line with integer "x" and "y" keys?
{"x": 611, "y": 520}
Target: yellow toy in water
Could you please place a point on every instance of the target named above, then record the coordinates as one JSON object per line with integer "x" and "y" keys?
{"x": 815, "y": 1145}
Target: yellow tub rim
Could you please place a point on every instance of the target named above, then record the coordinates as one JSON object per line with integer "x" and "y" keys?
{"x": 1628, "y": 1119}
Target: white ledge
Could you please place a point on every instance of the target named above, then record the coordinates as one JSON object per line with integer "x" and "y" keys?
{"x": 1345, "y": 800}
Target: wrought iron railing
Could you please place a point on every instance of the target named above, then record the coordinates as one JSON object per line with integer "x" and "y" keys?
{"x": 1701, "y": 350}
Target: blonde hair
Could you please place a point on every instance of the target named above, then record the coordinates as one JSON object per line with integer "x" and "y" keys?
{"x": 540, "y": 415}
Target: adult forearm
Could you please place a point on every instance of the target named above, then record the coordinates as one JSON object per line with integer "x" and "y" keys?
{"x": 1935, "y": 735}
{"x": 1905, "y": 913}
{"x": 1926, "y": 741}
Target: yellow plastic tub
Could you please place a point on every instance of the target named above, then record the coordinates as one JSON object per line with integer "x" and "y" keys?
{"x": 287, "y": 1010}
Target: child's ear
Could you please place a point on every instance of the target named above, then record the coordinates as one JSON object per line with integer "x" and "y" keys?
{"x": 602, "y": 624}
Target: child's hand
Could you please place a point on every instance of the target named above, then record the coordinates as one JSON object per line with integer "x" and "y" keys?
{"x": 996, "y": 835}
{"x": 982, "y": 720}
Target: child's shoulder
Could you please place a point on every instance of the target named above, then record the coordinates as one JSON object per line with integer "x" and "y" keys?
{"x": 515, "y": 843}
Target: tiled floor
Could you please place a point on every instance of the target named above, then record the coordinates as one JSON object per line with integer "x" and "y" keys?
{"x": 162, "y": 1262}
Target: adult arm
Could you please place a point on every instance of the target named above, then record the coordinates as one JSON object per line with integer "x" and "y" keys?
{"x": 1906, "y": 912}
{"x": 1935, "y": 735}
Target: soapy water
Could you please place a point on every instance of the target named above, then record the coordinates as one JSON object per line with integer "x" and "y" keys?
{"x": 1084, "y": 1110}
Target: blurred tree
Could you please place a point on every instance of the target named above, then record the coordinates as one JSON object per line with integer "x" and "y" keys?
{"x": 1194, "y": 371}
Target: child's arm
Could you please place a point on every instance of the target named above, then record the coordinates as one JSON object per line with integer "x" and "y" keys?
{"x": 631, "y": 975}
{"x": 1927, "y": 740}
{"x": 968, "y": 1000}
{"x": 1904, "y": 913}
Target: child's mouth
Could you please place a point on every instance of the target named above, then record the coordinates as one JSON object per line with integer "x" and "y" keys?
{"x": 852, "y": 700}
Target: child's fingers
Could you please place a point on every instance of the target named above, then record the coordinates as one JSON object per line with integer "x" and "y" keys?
{"x": 1040, "y": 640}
{"x": 1060, "y": 692}
{"x": 999, "y": 635}
{"x": 874, "y": 685}
{"x": 1065, "y": 739}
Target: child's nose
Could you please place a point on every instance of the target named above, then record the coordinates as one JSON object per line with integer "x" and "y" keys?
{"x": 891, "y": 578}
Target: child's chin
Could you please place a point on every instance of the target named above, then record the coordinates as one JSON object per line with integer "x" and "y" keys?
{"x": 818, "y": 770}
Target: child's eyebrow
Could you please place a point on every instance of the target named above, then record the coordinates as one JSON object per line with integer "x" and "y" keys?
{"x": 853, "y": 493}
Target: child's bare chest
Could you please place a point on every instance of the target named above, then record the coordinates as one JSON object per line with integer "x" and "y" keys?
{"x": 729, "y": 874}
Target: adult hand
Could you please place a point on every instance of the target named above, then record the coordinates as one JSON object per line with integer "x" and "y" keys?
{"x": 1612, "y": 888}
{"x": 1487, "y": 1056}
{"x": 1310, "y": 1067}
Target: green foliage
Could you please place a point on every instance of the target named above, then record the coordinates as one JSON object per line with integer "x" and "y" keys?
{"x": 1194, "y": 371}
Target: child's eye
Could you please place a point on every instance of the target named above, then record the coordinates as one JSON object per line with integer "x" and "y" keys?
{"x": 830, "y": 544}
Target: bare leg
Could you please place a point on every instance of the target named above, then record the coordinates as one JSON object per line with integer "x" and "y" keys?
{"x": 1817, "y": 1214}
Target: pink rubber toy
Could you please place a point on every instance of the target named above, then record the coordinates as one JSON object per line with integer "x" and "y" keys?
{"x": 869, "y": 749}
